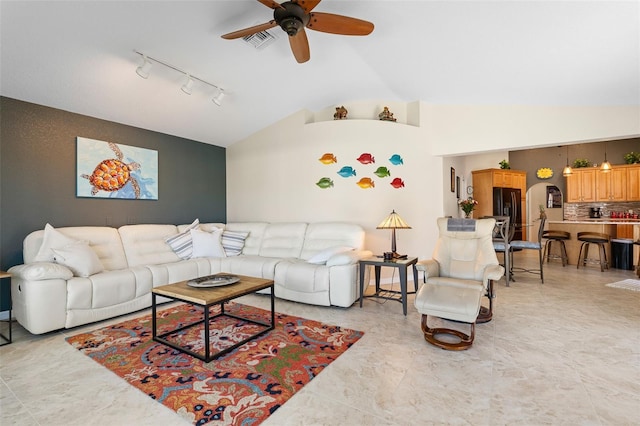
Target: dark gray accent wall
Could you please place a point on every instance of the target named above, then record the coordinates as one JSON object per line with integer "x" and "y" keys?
{"x": 38, "y": 176}
{"x": 530, "y": 160}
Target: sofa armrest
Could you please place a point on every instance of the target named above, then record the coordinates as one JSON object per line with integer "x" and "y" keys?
{"x": 430, "y": 267}
{"x": 348, "y": 257}
{"x": 38, "y": 271}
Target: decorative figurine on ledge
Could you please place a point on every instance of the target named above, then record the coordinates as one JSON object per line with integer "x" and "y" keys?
{"x": 386, "y": 115}
{"x": 341, "y": 113}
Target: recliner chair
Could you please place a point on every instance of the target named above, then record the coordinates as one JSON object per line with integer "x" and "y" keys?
{"x": 456, "y": 278}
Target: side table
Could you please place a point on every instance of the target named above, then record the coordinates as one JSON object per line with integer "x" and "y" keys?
{"x": 402, "y": 265}
{"x": 5, "y": 305}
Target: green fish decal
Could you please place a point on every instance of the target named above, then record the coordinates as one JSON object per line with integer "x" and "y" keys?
{"x": 382, "y": 172}
{"x": 325, "y": 183}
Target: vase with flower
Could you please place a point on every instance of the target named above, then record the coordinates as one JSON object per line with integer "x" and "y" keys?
{"x": 468, "y": 206}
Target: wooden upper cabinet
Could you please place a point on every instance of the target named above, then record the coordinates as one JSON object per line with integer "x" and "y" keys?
{"x": 581, "y": 185}
{"x": 612, "y": 186}
{"x": 504, "y": 178}
{"x": 633, "y": 182}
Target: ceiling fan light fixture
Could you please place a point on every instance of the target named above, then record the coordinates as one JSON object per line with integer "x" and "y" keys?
{"x": 143, "y": 70}
{"x": 218, "y": 97}
{"x": 188, "y": 85}
{"x": 291, "y": 25}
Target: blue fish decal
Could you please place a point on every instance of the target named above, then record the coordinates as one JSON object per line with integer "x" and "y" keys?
{"x": 347, "y": 171}
{"x": 396, "y": 160}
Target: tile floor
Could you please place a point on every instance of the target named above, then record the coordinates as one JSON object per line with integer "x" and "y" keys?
{"x": 564, "y": 352}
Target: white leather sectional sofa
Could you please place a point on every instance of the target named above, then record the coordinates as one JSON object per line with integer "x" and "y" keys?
{"x": 52, "y": 294}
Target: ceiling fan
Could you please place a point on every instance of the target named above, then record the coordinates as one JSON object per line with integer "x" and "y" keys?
{"x": 293, "y": 16}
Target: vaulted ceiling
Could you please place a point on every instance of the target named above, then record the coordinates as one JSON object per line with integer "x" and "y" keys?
{"x": 79, "y": 57}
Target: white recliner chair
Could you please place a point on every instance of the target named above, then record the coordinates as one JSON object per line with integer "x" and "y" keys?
{"x": 456, "y": 279}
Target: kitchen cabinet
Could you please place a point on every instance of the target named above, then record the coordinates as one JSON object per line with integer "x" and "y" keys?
{"x": 581, "y": 185}
{"x": 612, "y": 186}
{"x": 633, "y": 182}
{"x": 485, "y": 180}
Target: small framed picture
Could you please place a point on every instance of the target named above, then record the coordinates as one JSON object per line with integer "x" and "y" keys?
{"x": 458, "y": 187}
{"x": 453, "y": 180}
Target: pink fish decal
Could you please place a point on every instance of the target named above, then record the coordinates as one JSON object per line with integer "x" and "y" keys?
{"x": 366, "y": 158}
{"x": 397, "y": 183}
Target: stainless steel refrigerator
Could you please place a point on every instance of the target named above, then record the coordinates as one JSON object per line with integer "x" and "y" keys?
{"x": 507, "y": 202}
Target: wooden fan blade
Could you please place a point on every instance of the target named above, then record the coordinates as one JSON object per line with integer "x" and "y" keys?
{"x": 300, "y": 46}
{"x": 307, "y": 5}
{"x": 338, "y": 24}
{"x": 270, "y": 3}
{"x": 250, "y": 30}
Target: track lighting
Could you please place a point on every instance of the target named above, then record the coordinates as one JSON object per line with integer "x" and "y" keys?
{"x": 187, "y": 87}
{"x": 143, "y": 70}
{"x": 567, "y": 171}
{"x": 217, "y": 98}
{"x": 605, "y": 166}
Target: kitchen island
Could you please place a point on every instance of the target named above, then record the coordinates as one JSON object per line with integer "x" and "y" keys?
{"x": 615, "y": 228}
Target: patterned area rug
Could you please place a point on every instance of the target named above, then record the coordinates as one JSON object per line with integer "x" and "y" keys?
{"x": 629, "y": 284}
{"x": 242, "y": 387}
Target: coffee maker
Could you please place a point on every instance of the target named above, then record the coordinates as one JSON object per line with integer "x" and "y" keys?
{"x": 595, "y": 212}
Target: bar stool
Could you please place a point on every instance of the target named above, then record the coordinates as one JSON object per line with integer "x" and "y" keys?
{"x": 600, "y": 240}
{"x": 558, "y": 237}
{"x": 638, "y": 264}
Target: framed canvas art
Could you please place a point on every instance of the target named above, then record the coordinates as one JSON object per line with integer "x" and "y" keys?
{"x": 453, "y": 180}
{"x": 110, "y": 170}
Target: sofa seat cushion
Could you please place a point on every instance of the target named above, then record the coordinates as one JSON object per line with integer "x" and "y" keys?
{"x": 300, "y": 276}
{"x": 108, "y": 288}
{"x": 169, "y": 273}
{"x": 253, "y": 266}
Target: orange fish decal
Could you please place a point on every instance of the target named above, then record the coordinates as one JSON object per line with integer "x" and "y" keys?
{"x": 366, "y": 158}
{"x": 397, "y": 183}
{"x": 328, "y": 158}
{"x": 365, "y": 183}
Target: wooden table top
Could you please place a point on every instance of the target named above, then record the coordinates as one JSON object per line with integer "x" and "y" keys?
{"x": 210, "y": 295}
{"x": 4, "y": 274}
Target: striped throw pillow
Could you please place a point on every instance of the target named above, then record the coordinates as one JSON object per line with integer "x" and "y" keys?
{"x": 233, "y": 242}
{"x": 182, "y": 244}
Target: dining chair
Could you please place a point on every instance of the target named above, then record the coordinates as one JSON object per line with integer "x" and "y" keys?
{"x": 531, "y": 245}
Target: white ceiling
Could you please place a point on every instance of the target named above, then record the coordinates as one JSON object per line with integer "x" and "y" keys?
{"x": 78, "y": 56}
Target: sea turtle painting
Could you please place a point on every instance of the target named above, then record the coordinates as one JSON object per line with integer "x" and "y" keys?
{"x": 112, "y": 174}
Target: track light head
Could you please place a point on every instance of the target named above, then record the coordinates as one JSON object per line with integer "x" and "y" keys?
{"x": 143, "y": 70}
{"x": 218, "y": 97}
{"x": 188, "y": 85}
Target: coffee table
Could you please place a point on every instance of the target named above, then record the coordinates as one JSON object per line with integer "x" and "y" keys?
{"x": 205, "y": 298}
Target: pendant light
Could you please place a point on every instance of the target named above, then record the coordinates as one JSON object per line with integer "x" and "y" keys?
{"x": 567, "y": 171}
{"x": 605, "y": 166}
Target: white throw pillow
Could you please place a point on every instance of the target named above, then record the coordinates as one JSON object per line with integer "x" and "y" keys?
{"x": 80, "y": 258}
{"x": 207, "y": 244}
{"x": 181, "y": 244}
{"x": 321, "y": 257}
{"x": 233, "y": 242}
{"x": 52, "y": 239}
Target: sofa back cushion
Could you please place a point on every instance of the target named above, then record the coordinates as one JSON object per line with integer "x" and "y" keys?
{"x": 145, "y": 244}
{"x": 104, "y": 240}
{"x": 283, "y": 239}
{"x": 324, "y": 235}
{"x": 254, "y": 240}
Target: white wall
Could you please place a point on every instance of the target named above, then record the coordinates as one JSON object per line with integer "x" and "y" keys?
{"x": 271, "y": 175}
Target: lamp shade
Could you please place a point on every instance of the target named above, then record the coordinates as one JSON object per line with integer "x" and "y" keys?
{"x": 393, "y": 221}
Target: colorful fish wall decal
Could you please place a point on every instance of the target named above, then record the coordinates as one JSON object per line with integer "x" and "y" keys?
{"x": 347, "y": 171}
{"x": 397, "y": 183}
{"x": 382, "y": 171}
{"x": 366, "y": 183}
{"x": 328, "y": 158}
{"x": 396, "y": 160}
{"x": 366, "y": 158}
{"x": 325, "y": 183}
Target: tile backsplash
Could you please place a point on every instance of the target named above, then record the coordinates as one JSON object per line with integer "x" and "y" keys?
{"x": 574, "y": 211}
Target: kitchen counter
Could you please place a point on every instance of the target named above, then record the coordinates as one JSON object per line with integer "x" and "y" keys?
{"x": 601, "y": 221}
{"x": 614, "y": 227}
